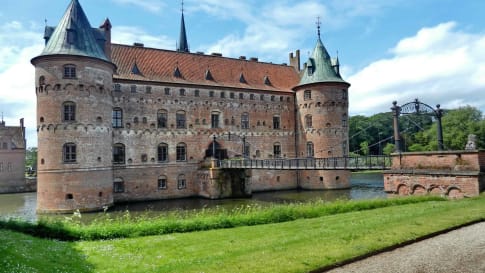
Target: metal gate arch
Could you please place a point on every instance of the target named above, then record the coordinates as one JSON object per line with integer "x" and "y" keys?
{"x": 415, "y": 107}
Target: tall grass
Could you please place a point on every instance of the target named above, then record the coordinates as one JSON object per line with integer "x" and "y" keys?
{"x": 108, "y": 227}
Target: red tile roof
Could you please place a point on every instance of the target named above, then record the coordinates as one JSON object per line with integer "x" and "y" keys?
{"x": 159, "y": 66}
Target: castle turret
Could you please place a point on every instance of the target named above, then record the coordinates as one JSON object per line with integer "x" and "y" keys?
{"x": 322, "y": 114}
{"x": 74, "y": 106}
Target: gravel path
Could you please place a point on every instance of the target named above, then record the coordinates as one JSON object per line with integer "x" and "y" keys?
{"x": 461, "y": 250}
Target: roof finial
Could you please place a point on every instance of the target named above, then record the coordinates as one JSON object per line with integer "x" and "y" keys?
{"x": 318, "y": 23}
{"x": 182, "y": 6}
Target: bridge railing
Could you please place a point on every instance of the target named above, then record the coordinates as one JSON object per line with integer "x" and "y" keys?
{"x": 350, "y": 163}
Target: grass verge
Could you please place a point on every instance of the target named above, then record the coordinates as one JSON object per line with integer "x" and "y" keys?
{"x": 126, "y": 226}
{"x": 294, "y": 246}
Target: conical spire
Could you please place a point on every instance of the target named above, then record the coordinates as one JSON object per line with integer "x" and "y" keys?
{"x": 319, "y": 67}
{"x": 74, "y": 36}
{"x": 182, "y": 45}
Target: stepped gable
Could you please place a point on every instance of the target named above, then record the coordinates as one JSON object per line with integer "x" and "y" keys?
{"x": 159, "y": 65}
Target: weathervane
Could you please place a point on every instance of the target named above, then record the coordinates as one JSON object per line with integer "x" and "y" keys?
{"x": 182, "y": 6}
{"x": 318, "y": 23}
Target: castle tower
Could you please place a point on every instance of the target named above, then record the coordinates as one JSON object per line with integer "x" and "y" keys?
{"x": 74, "y": 108}
{"x": 322, "y": 114}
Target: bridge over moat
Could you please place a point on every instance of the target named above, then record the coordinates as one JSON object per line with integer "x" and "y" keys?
{"x": 379, "y": 162}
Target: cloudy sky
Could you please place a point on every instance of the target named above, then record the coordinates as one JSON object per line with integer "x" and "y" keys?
{"x": 389, "y": 50}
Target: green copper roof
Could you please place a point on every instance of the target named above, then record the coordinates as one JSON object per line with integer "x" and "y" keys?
{"x": 74, "y": 36}
{"x": 320, "y": 68}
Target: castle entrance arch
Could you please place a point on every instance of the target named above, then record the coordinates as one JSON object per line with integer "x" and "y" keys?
{"x": 418, "y": 108}
{"x": 215, "y": 150}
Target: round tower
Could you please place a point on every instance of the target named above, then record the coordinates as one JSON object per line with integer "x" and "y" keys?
{"x": 74, "y": 107}
{"x": 322, "y": 118}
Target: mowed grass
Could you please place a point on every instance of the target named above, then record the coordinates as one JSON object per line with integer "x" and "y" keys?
{"x": 295, "y": 246}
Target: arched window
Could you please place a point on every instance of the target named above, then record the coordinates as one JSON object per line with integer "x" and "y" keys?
{"x": 69, "y": 71}
{"x": 276, "y": 150}
{"x": 181, "y": 183}
{"x": 181, "y": 152}
{"x": 245, "y": 121}
{"x": 68, "y": 111}
{"x": 118, "y": 185}
{"x": 162, "y": 152}
{"x": 308, "y": 121}
{"x": 69, "y": 152}
{"x": 117, "y": 120}
{"x": 162, "y": 118}
{"x": 162, "y": 182}
{"x": 119, "y": 153}
{"x": 180, "y": 118}
{"x": 309, "y": 149}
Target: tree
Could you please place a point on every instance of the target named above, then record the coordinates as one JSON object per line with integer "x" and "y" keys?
{"x": 364, "y": 148}
{"x": 31, "y": 157}
{"x": 388, "y": 149}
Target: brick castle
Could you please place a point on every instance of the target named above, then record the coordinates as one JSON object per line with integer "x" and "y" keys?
{"x": 121, "y": 123}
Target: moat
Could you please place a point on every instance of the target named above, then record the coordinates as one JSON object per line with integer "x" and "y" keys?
{"x": 364, "y": 186}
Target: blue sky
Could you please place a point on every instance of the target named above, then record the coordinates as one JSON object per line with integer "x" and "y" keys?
{"x": 389, "y": 50}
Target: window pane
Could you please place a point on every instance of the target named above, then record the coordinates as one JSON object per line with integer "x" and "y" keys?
{"x": 276, "y": 122}
{"x": 163, "y": 153}
{"x": 181, "y": 153}
{"x": 180, "y": 120}
{"x": 215, "y": 120}
{"x": 119, "y": 154}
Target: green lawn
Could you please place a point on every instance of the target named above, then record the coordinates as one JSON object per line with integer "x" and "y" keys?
{"x": 295, "y": 246}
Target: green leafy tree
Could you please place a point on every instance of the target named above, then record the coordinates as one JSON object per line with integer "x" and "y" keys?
{"x": 388, "y": 149}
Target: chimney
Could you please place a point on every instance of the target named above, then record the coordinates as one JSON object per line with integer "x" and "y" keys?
{"x": 295, "y": 60}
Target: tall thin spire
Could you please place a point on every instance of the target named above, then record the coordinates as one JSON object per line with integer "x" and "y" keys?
{"x": 318, "y": 23}
{"x": 182, "y": 45}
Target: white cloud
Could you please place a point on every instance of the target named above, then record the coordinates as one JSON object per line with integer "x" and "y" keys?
{"x": 148, "y": 5}
{"x": 129, "y": 35}
{"x": 19, "y": 44}
{"x": 438, "y": 65}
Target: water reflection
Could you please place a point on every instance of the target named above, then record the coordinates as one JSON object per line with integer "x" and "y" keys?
{"x": 364, "y": 186}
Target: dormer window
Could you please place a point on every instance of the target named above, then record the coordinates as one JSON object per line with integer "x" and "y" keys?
{"x": 71, "y": 36}
{"x": 69, "y": 71}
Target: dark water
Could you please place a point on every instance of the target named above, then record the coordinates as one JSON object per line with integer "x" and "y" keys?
{"x": 364, "y": 186}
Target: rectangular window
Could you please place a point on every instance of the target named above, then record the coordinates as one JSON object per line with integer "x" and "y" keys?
{"x": 162, "y": 153}
{"x": 251, "y": 96}
{"x": 223, "y": 95}
{"x": 162, "y": 119}
{"x": 261, "y": 97}
{"x": 181, "y": 184}
{"x": 148, "y": 89}
{"x": 180, "y": 117}
{"x": 231, "y": 95}
{"x": 276, "y": 122}
{"x": 241, "y": 96}
{"x": 69, "y": 153}
{"x": 307, "y": 95}
{"x": 277, "y": 151}
{"x": 117, "y": 87}
{"x": 181, "y": 153}
{"x": 133, "y": 88}
{"x": 119, "y": 154}
{"x": 117, "y": 121}
{"x": 182, "y": 92}
{"x": 211, "y": 94}
{"x": 162, "y": 183}
{"x": 69, "y": 72}
{"x": 167, "y": 91}
{"x": 245, "y": 121}
{"x": 119, "y": 187}
{"x": 215, "y": 121}
{"x": 272, "y": 98}
{"x": 69, "y": 111}
{"x": 197, "y": 93}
